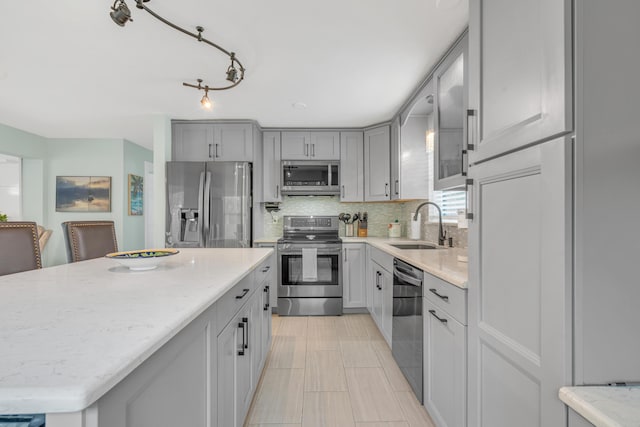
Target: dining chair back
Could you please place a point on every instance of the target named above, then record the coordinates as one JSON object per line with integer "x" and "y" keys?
{"x": 19, "y": 247}
{"x": 89, "y": 239}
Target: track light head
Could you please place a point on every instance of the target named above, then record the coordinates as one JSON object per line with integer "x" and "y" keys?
{"x": 120, "y": 13}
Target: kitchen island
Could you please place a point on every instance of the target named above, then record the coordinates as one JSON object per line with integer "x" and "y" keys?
{"x": 94, "y": 343}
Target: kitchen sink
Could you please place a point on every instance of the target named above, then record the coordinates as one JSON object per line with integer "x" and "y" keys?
{"x": 414, "y": 246}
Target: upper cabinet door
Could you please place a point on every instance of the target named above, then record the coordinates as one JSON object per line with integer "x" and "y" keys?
{"x": 395, "y": 159}
{"x": 296, "y": 145}
{"x": 520, "y": 74}
{"x": 325, "y": 146}
{"x": 376, "y": 164}
{"x": 271, "y": 167}
{"x": 192, "y": 142}
{"x": 450, "y": 116}
{"x": 233, "y": 142}
{"x": 351, "y": 167}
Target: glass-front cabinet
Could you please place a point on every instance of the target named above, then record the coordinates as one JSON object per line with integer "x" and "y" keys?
{"x": 450, "y": 79}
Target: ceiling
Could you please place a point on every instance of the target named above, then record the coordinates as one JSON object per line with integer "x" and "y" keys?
{"x": 67, "y": 71}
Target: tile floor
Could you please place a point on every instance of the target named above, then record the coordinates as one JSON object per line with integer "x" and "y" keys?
{"x": 332, "y": 372}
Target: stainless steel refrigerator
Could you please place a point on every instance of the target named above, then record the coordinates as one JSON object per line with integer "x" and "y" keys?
{"x": 208, "y": 205}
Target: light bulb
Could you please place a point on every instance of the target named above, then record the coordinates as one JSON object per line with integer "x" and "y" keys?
{"x": 206, "y": 102}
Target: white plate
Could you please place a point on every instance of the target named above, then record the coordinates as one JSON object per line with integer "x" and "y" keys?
{"x": 146, "y": 259}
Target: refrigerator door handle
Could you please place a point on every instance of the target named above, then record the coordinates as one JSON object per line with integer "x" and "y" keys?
{"x": 200, "y": 201}
{"x": 242, "y": 239}
{"x": 205, "y": 219}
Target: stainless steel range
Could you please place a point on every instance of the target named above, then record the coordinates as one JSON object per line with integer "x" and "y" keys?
{"x": 310, "y": 267}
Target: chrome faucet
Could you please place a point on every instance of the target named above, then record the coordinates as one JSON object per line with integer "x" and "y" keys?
{"x": 441, "y": 236}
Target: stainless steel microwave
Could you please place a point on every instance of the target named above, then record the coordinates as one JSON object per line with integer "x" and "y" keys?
{"x": 310, "y": 177}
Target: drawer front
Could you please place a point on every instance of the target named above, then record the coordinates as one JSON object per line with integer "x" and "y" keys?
{"x": 264, "y": 270}
{"x": 234, "y": 299}
{"x": 446, "y": 296}
{"x": 384, "y": 259}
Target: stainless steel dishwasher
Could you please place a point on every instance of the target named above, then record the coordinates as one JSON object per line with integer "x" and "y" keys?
{"x": 407, "y": 323}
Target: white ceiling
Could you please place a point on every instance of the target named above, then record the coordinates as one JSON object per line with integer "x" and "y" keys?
{"x": 67, "y": 71}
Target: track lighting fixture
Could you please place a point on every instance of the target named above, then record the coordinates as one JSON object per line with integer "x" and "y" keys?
{"x": 121, "y": 14}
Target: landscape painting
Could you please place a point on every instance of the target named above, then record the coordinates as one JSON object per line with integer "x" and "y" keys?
{"x": 83, "y": 194}
{"x": 136, "y": 191}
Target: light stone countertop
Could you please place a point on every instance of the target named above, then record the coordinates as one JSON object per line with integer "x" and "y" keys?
{"x": 605, "y": 406}
{"x": 70, "y": 333}
{"x": 267, "y": 240}
{"x": 442, "y": 263}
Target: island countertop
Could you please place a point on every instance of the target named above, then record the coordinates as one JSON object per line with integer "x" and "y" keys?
{"x": 70, "y": 333}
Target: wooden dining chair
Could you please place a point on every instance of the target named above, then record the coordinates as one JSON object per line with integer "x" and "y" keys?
{"x": 19, "y": 247}
{"x": 89, "y": 239}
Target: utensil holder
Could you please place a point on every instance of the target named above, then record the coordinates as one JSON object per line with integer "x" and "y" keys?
{"x": 348, "y": 230}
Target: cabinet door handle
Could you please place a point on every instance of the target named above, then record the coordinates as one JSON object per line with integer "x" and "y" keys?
{"x": 306, "y": 150}
{"x": 210, "y": 152}
{"x": 433, "y": 313}
{"x": 469, "y": 196}
{"x": 241, "y": 351}
{"x": 344, "y": 251}
{"x": 244, "y": 292}
{"x": 471, "y": 143}
{"x": 397, "y": 187}
{"x": 277, "y": 191}
{"x": 268, "y": 292}
{"x": 342, "y": 195}
{"x": 313, "y": 150}
{"x": 386, "y": 189}
{"x": 246, "y": 321}
{"x": 442, "y": 297}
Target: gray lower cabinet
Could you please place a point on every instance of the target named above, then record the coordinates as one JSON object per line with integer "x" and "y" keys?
{"x": 212, "y": 142}
{"x": 520, "y": 68}
{"x": 576, "y": 420}
{"x": 381, "y": 265}
{"x": 234, "y": 368}
{"x": 206, "y": 375}
{"x": 351, "y": 167}
{"x": 353, "y": 277}
{"x": 377, "y": 164}
{"x": 272, "y": 272}
{"x": 445, "y": 352}
{"x": 520, "y": 298}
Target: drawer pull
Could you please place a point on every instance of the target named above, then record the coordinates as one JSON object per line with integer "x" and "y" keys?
{"x": 267, "y": 268}
{"x": 442, "y": 297}
{"x": 244, "y": 292}
{"x": 433, "y": 313}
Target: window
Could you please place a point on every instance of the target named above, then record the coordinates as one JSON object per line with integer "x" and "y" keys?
{"x": 450, "y": 202}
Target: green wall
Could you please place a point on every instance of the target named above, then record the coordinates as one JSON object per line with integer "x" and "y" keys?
{"x": 133, "y": 226}
{"x": 43, "y": 159}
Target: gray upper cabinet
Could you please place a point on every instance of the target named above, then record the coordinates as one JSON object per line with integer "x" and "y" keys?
{"x": 351, "y": 167}
{"x": 233, "y": 142}
{"x": 416, "y": 147}
{"x": 520, "y": 74}
{"x": 271, "y": 167}
{"x": 376, "y": 164}
{"x": 310, "y": 145}
{"x": 192, "y": 142}
{"x": 395, "y": 159}
{"x": 200, "y": 142}
{"x": 450, "y": 81}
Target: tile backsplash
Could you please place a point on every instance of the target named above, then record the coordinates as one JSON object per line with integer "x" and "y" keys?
{"x": 380, "y": 215}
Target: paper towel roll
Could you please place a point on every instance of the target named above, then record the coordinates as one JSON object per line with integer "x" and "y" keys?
{"x": 415, "y": 228}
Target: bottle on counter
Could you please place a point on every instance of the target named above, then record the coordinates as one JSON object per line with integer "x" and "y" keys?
{"x": 362, "y": 226}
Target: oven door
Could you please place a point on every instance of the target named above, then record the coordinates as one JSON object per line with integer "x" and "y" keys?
{"x": 329, "y": 281}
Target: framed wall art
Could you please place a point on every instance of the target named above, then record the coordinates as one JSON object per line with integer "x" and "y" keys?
{"x": 136, "y": 192}
{"x": 83, "y": 194}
